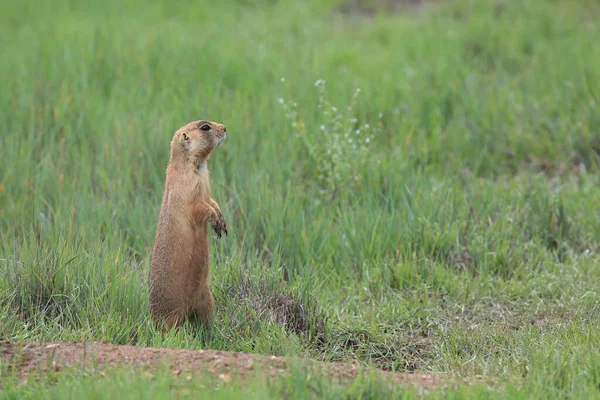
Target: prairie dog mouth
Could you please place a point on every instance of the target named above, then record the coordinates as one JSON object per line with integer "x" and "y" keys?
{"x": 221, "y": 139}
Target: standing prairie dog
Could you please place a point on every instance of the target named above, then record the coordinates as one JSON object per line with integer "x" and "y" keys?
{"x": 179, "y": 269}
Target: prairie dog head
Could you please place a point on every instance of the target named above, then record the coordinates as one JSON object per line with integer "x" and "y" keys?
{"x": 195, "y": 141}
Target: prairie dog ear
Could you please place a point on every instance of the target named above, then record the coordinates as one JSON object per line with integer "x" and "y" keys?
{"x": 183, "y": 138}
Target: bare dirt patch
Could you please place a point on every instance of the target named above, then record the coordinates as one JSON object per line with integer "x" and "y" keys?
{"x": 29, "y": 358}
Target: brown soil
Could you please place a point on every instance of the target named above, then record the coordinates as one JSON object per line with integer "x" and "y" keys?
{"x": 34, "y": 357}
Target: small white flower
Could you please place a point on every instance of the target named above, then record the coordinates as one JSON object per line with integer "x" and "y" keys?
{"x": 367, "y": 126}
{"x": 281, "y": 100}
{"x": 350, "y": 140}
{"x": 380, "y": 115}
{"x": 282, "y": 79}
{"x": 354, "y": 120}
{"x": 322, "y": 127}
{"x": 357, "y": 131}
{"x": 334, "y": 108}
{"x": 367, "y": 140}
{"x": 357, "y": 90}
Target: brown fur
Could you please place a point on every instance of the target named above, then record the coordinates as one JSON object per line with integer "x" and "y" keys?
{"x": 180, "y": 261}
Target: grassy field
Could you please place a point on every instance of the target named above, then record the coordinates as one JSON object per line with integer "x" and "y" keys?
{"x": 413, "y": 191}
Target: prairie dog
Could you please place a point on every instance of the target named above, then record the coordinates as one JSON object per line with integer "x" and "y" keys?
{"x": 179, "y": 268}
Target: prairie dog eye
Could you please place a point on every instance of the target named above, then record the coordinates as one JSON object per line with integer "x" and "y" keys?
{"x": 205, "y": 127}
{"x": 186, "y": 137}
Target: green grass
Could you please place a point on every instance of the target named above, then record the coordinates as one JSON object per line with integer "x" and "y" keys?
{"x": 126, "y": 383}
{"x": 463, "y": 239}
{"x": 301, "y": 383}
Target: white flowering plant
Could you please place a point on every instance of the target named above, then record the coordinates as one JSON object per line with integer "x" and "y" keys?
{"x": 337, "y": 142}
